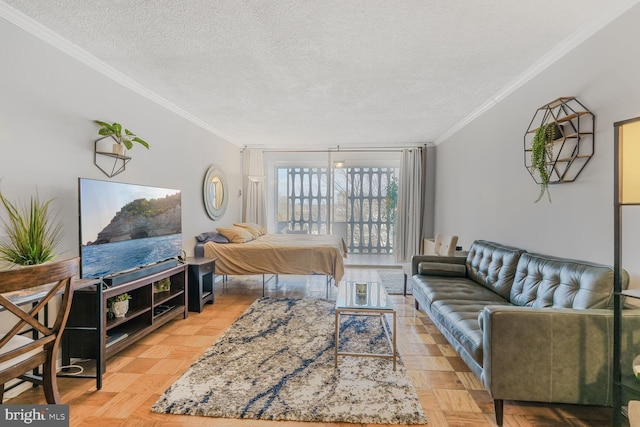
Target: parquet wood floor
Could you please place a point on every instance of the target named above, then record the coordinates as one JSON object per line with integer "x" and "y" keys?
{"x": 450, "y": 394}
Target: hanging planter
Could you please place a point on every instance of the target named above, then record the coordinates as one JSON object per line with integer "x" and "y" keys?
{"x": 118, "y": 149}
{"x": 542, "y": 155}
{"x": 112, "y": 159}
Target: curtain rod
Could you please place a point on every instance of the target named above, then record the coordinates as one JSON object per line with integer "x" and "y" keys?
{"x": 343, "y": 150}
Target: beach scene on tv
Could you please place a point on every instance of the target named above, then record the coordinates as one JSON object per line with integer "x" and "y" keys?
{"x": 127, "y": 226}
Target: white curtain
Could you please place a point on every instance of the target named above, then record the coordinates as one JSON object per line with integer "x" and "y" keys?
{"x": 410, "y": 198}
{"x": 254, "y": 200}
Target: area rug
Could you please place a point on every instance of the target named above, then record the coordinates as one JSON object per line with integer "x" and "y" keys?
{"x": 393, "y": 281}
{"x": 276, "y": 362}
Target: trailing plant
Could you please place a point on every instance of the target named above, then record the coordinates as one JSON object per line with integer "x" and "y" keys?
{"x": 391, "y": 200}
{"x": 114, "y": 130}
{"x": 31, "y": 233}
{"x": 541, "y": 151}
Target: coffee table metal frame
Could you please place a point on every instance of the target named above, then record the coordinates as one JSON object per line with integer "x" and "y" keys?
{"x": 365, "y": 310}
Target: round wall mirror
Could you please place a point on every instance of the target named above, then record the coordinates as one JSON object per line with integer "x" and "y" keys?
{"x": 215, "y": 192}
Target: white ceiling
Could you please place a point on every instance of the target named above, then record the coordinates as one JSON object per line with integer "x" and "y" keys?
{"x": 322, "y": 73}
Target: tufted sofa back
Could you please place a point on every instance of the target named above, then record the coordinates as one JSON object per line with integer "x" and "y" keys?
{"x": 546, "y": 281}
{"x": 493, "y": 265}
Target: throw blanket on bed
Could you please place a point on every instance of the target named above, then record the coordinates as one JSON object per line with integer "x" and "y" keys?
{"x": 281, "y": 254}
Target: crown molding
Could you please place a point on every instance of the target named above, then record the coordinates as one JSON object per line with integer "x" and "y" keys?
{"x": 607, "y": 14}
{"x": 64, "y": 45}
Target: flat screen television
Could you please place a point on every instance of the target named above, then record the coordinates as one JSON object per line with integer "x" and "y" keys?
{"x": 124, "y": 227}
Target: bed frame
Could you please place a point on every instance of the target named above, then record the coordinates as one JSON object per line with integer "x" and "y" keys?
{"x": 273, "y": 254}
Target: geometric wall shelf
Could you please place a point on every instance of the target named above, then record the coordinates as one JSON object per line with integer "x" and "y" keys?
{"x": 573, "y": 145}
{"x": 110, "y": 163}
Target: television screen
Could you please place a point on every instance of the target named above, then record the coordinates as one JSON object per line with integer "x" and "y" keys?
{"x": 126, "y": 226}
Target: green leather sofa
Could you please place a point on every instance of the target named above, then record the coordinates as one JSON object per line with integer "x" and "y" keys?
{"x": 531, "y": 327}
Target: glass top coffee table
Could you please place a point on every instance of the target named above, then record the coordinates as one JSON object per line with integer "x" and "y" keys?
{"x": 365, "y": 299}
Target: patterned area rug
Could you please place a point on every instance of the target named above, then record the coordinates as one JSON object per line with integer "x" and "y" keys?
{"x": 393, "y": 281}
{"x": 276, "y": 362}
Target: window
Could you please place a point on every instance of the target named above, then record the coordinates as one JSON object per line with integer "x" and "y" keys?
{"x": 303, "y": 199}
{"x": 361, "y": 200}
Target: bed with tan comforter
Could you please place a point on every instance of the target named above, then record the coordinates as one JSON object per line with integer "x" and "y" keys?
{"x": 300, "y": 254}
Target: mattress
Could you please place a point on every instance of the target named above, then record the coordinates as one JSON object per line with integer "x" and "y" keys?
{"x": 300, "y": 254}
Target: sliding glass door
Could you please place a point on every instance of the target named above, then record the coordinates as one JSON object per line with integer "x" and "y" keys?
{"x": 356, "y": 200}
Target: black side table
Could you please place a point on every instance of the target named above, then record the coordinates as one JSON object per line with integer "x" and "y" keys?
{"x": 202, "y": 272}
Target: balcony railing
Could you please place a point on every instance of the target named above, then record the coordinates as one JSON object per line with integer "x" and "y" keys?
{"x": 359, "y": 205}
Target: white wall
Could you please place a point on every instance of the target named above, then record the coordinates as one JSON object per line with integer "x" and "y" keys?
{"x": 48, "y": 102}
{"x": 484, "y": 190}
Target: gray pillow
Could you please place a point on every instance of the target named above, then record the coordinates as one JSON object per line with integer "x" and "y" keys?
{"x": 441, "y": 269}
{"x": 211, "y": 236}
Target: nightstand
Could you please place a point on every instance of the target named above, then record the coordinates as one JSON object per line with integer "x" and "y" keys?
{"x": 202, "y": 272}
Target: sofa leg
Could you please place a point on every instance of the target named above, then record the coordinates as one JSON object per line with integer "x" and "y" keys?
{"x": 498, "y": 406}
{"x": 417, "y": 304}
{"x": 405, "y": 285}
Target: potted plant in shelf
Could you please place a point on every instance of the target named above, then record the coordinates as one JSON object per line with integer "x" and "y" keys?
{"x": 31, "y": 232}
{"x": 122, "y": 140}
{"x": 162, "y": 285}
{"x": 541, "y": 152}
{"x": 119, "y": 305}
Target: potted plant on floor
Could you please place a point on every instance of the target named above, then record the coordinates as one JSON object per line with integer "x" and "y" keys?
{"x": 31, "y": 232}
{"x": 122, "y": 141}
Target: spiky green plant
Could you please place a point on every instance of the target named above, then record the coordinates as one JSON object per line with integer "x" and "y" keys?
{"x": 541, "y": 150}
{"x": 31, "y": 233}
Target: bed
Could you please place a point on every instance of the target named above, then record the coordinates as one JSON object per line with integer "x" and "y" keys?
{"x": 262, "y": 253}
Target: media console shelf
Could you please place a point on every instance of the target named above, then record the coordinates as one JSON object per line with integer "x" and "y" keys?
{"x": 92, "y": 333}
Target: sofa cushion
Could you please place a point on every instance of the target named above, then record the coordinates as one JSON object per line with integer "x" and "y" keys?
{"x": 453, "y": 303}
{"x": 441, "y": 269}
{"x": 460, "y": 319}
{"x": 436, "y": 288}
{"x": 493, "y": 265}
{"x": 546, "y": 281}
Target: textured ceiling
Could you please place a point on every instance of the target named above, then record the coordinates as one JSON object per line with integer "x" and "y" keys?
{"x": 308, "y": 73}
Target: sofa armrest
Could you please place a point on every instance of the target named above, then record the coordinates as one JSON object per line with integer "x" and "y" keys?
{"x": 417, "y": 259}
{"x": 551, "y": 355}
